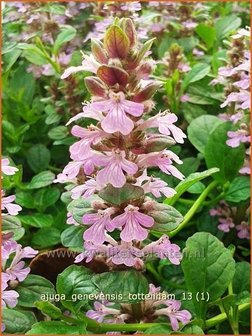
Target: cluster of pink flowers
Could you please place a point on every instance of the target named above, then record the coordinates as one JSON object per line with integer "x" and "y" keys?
{"x": 236, "y": 78}
{"x": 156, "y": 304}
{"x": 227, "y": 220}
{"x": 13, "y": 266}
{"x": 113, "y": 155}
{"x": 118, "y": 150}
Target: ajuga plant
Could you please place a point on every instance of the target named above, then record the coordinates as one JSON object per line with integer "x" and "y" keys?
{"x": 110, "y": 164}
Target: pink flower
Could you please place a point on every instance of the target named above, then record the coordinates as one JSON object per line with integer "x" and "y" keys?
{"x": 114, "y": 165}
{"x": 87, "y": 113}
{"x": 126, "y": 254}
{"x": 243, "y": 230}
{"x": 100, "y": 222}
{"x": 155, "y": 186}
{"x": 102, "y": 311}
{"x": 184, "y": 98}
{"x": 172, "y": 311}
{"x": 117, "y": 108}
{"x": 133, "y": 224}
{"x": 164, "y": 121}
{"x": 163, "y": 160}
{"x": 225, "y": 224}
{"x": 89, "y": 136}
{"x": 242, "y": 97}
{"x": 237, "y": 137}
{"x": 9, "y": 206}
{"x": 86, "y": 190}
{"x": 164, "y": 249}
{"x": 9, "y": 297}
{"x": 6, "y": 168}
{"x": 88, "y": 64}
{"x": 87, "y": 164}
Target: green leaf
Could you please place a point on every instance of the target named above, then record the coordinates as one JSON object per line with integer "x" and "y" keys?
{"x": 33, "y": 54}
{"x": 118, "y": 196}
{"x": 239, "y": 190}
{"x": 49, "y": 309}
{"x": 241, "y": 280}
{"x": 38, "y": 158}
{"x": 40, "y": 180}
{"x": 218, "y": 154}
{"x": 197, "y": 72}
{"x": 208, "y": 267}
{"x": 10, "y": 58}
{"x": 66, "y": 35}
{"x": 73, "y": 236}
{"x": 17, "y": 321}
{"x": 191, "y": 111}
{"x": 54, "y": 328}
{"x": 158, "y": 330}
{"x": 45, "y": 197}
{"x": 200, "y": 129}
{"x": 192, "y": 330}
{"x": 80, "y": 207}
{"x": 25, "y": 199}
{"x": 166, "y": 218}
{"x": 116, "y": 42}
{"x": 58, "y": 133}
{"x": 37, "y": 220}
{"x": 124, "y": 285}
{"x": 72, "y": 281}
{"x": 12, "y": 224}
{"x": 226, "y": 25}
{"x": 184, "y": 185}
{"x": 206, "y": 33}
{"x": 32, "y": 289}
{"x": 46, "y": 237}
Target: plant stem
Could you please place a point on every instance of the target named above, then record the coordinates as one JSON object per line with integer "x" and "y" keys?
{"x": 222, "y": 317}
{"x": 194, "y": 208}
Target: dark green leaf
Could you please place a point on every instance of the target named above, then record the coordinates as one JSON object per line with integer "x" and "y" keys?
{"x": 37, "y": 220}
{"x": 208, "y": 267}
{"x": 118, "y": 196}
{"x": 12, "y": 224}
{"x": 38, "y": 158}
{"x": 73, "y": 236}
{"x": 75, "y": 280}
{"x": 218, "y": 154}
{"x": 125, "y": 285}
{"x": 239, "y": 190}
{"x": 46, "y": 237}
{"x": 32, "y": 289}
{"x": 54, "y": 328}
{"x": 17, "y": 321}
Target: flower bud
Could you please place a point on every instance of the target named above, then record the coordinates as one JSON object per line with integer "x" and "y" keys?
{"x": 112, "y": 75}
{"x": 158, "y": 142}
{"x": 95, "y": 86}
{"x": 98, "y": 51}
{"x": 147, "y": 92}
{"x": 116, "y": 42}
{"x": 129, "y": 29}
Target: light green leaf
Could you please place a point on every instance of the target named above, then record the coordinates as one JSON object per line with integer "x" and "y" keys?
{"x": 198, "y": 71}
{"x": 239, "y": 190}
{"x": 66, "y": 35}
{"x": 218, "y": 154}
{"x": 40, "y": 180}
{"x": 12, "y": 224}
{"x": 200, "y": 129}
